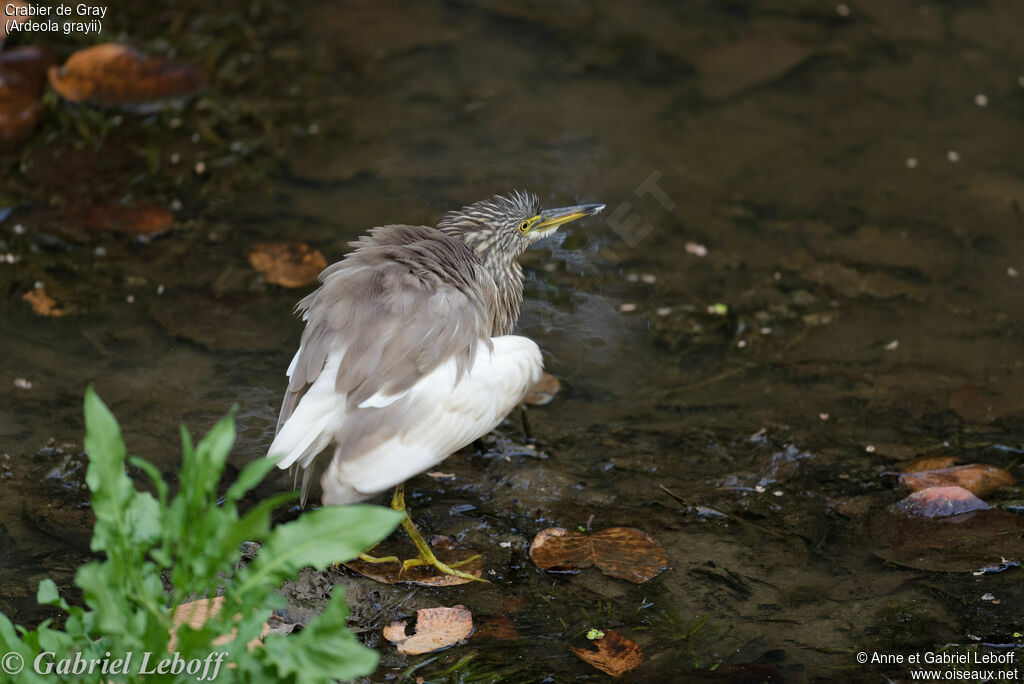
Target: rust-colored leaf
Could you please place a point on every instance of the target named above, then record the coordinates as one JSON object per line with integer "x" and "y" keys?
{"x": 929, "y": 463}
{"x": 497, "y": 627}
{"x": 196, "y": 613}
{"x": 436, "y": 628}
{"x": 112, "y": 74}
{"x": 42, "y": 303}
{"x": 391, "y": 572}
{"x": 289, "y": 264}
{"x": 615, "y": 654}
{"x": 621, "y": 552}
{"x": 146, "y": 220}
{"x": 939, "y": 502}
{"x": 976, "y": 477}
{"x": 542, "y": 391}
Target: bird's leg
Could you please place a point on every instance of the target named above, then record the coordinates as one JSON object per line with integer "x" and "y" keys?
{"x": 527, "y": 432}
{"x": 427, "y": 556}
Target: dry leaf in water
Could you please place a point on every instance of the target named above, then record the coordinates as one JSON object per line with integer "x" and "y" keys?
{"x": 436, "y": 628}
{"x": 939, "y": 502}
{"x": 112, "y": 74}
{"x": 929, "y": 463}
{"x": 42, "y": 303}
{"x": 615, "y": 654}
{"x": 289, "y": 264}
{"x": 140, "y": 220}
{"x": 960, "y": 543}
{"x": 542, "y": 391}
{"x": 977, "y": 478}
{"x": 196, "y": 613}
{"x": 621, "y": 552}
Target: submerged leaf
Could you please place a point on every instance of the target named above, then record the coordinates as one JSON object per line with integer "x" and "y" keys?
{"x": 938, "y": 502}
{"x": 977, "y": 478}
{"x": 615, "y": 654}
{"x": 112, "y": 74}
{"x": 929, "y": 463}
{"x": 542, "y": 391}
{"x": 960, "y": 543}
{"x": 288, "y": 264}
{"x": 436, "y": 628}
{"x": 622, "y": 552}
{"x": 42, "y": 303}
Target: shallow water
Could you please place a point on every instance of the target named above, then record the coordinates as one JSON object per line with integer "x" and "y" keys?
{"x": 862, "y": 216}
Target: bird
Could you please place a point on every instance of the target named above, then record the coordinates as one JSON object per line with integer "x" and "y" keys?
{"x": 408, "y": 355}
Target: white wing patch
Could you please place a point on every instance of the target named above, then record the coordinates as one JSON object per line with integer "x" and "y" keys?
{"x": 311, "y": 426}
{"x": 442, "y": 418}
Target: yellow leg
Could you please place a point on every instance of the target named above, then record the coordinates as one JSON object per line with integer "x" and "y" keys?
{"x": 426, "y": 556}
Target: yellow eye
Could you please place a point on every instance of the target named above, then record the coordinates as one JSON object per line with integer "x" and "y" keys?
{"x": 524, "y": 226}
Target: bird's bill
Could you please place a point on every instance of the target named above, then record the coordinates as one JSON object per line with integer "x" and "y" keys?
{"x": 552, "y": 218}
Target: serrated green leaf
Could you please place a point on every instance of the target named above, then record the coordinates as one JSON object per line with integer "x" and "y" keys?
{"x": 324, "y": 651}
{"x": 333, "y": 534}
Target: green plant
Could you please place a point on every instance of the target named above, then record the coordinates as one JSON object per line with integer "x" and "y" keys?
{"x": 160, "y": 554}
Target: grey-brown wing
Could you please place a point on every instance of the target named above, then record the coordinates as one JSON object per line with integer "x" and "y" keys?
{"x": 407, "y": 300}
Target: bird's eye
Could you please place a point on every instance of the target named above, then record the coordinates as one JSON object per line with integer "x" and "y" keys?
{"x": 524, "y": 226}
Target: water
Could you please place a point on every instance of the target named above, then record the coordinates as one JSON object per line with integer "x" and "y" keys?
{"x": 861, "y": 212}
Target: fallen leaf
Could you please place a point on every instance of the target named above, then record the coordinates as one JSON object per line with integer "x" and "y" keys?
{"x": 425, "y": 576}
{"x": 621, "y": 552}
{"x": 542, "y": 391}
{"x": 196, "y": 613}
{"x": 939, "y": 502}
{"x": 112, "y": 74}
{"x": 929, "y": 463}
{"x": 139, "y": 220}
{"x": 289, "y": 264}
{"x": 42, "y": 304}
{"x": 977, "y": 478}
{"x": 615, "y": 654}
{"x": 497, "y": 627}
{"x": 960, "y": 543}
{"x": 436, "y": 628}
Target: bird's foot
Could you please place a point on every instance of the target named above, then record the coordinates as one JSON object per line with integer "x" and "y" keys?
{"x": 442, "y": 567}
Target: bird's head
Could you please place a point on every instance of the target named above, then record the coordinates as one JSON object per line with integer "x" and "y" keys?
{"x": 501, "y": 228}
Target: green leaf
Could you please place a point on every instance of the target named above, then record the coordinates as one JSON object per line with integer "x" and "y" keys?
{"x": 324, "y": 651}
{"x": 47, "y": 593}
{"x": 333, "y": 534}
{"x": 250, "y": 476}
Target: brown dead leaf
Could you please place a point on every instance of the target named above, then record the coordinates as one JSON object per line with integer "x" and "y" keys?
{"x": 112, "y": 74}
{"x": 621, "y": 552}
{"x": 289, "y": 264}
{"x": 929, "y": 463}
{"x": 977, "y": 478}
{"x": 436, "y": 628}
{"x": 959, "y": 543}
{"x": 497, "y": 627}
{"x": 615, "y": 654}
{"x": 391, "y": 573}
{"x": 42, "y": 304}
{"x": 542, "y": 391}
{"x": 24, "y": 68}
{"x": 196, "y": 613}
{"x": 140, "y": 220}
{"x": 939, "y": 502}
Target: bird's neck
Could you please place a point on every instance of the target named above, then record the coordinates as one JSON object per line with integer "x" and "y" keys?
{"x": 508, "y": 281}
